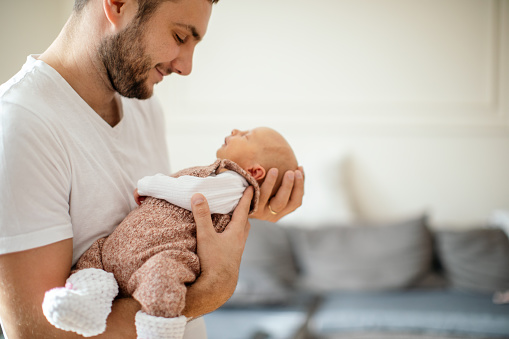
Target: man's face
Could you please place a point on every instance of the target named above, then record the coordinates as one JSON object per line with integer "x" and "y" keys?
{"x": 140, "y": 56}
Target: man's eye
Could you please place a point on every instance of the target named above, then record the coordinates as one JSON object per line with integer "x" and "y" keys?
{"x": 179, "y": 39}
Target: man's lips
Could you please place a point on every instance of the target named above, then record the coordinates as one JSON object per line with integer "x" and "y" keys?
{"x": 162, "y": 72}
{"x": 160, "y": 75}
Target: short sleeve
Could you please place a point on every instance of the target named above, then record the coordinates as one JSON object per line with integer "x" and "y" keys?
{"x": 35, "y": 182}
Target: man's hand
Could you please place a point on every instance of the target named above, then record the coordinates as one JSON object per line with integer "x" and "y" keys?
{"x": 220, "y": 255}
{"x": 287, "y": 199}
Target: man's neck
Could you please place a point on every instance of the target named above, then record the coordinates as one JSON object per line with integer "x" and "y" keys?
{"x": 76, "y": 60}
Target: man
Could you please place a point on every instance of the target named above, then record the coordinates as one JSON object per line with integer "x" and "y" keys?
{"x": 74, "y": 138}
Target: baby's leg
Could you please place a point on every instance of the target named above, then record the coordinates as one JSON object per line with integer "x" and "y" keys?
{"x": 160, "y": 287}
{"x": 92, "y": 258}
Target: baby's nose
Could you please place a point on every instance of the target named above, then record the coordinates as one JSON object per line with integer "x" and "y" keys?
{"x": 235, "y": 131}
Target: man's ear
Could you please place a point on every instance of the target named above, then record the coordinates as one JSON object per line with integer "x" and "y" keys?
{"x": 257, "y": 172}
{"x": 120, "y": 12}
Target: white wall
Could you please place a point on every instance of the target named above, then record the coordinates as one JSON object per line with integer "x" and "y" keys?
{"x": 28, "y": 27}
{"x": 413, "y": 94}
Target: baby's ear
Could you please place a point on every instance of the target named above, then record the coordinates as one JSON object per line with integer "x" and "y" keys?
{"x": 257, "y": 172}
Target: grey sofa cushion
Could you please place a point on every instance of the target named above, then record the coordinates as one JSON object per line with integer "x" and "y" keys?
{"x": 439, "y": 312}
{"x": 274, "y": 322}
{"x": 475, "y": 259}
{"x": 267, "y": 270}
{"x": 363, "y": 258}
{"x": 257, "y": 287}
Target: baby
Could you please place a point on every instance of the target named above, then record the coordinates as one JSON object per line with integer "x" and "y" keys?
{"x": 151, "y": 255}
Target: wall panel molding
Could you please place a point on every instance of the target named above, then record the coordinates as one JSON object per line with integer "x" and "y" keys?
{"x": 475, "y": 99}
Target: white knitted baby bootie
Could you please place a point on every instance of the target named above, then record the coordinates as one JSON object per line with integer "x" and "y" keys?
{"x": 151, "y": 327}
{"x": 83, "y": 305}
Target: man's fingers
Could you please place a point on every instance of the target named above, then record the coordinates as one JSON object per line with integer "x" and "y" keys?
{"x": 247, "y": 228}
{"x": 301, "y": 169}
{"x": 267, "y": 186}
{"x": 297, "y": 191}
{"x": 241, "y": 212}
{"x": 280, "y": 200}
{"x": 201, "y": 213}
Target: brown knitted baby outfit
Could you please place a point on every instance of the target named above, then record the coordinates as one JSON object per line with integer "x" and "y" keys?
{"x": 152, "y": 253}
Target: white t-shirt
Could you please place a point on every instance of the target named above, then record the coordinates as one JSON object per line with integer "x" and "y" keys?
{"x": 64, "y": 172}
{"x": 222, "y": 191}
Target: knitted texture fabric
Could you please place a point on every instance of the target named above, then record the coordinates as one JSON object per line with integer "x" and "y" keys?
{"x": 150, "y": 327}
{"x": 83, "y": 304}
{"x": 152, "y": 253}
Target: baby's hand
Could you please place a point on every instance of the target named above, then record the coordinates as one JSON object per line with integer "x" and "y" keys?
{"x": 138, "y": 198}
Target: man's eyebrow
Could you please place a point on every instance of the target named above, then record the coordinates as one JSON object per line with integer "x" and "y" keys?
{"x": 191, "y": 29}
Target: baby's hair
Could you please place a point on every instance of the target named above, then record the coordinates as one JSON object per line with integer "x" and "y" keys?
{"x": 280, "y": 157}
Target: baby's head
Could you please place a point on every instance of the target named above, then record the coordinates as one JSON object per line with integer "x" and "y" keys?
{"x": 259, "y": 150}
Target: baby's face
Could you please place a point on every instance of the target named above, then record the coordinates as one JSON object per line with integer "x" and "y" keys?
{"x": 242, "y": 146}
{"x": 259, "y": 150}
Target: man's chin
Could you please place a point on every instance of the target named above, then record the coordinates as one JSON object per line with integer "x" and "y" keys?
{"x": 139, "y": 94}
{"x": 148, "y": 95}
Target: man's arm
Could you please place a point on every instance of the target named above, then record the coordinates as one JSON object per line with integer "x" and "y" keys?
{"x": 26, "y": 276}
{"x": 220, "y": 255}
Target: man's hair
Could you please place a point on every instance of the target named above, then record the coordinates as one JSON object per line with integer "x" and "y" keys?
{"x": 145, "y": 10}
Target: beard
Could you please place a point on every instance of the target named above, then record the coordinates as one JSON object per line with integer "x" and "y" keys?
{"x": 126, "y": 63}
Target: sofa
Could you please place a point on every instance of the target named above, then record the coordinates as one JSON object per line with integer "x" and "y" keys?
{"x": 375, "y": 280}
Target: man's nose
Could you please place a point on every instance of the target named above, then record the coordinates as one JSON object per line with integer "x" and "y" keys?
{"x": 183, "y": 64}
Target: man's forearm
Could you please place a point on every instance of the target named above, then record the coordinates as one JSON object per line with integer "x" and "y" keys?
{"x": 120, "y": 324}
{"x": 208, "y": 294}
{"x": 121, "y": 320}
{"x": 220, "y": 255}
{"x": 26, "y": 276}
